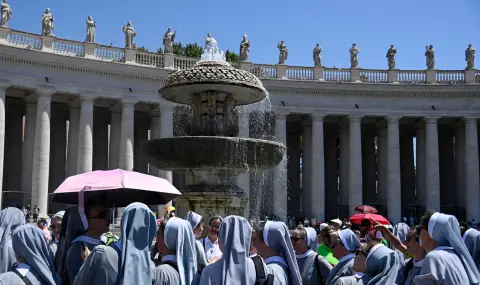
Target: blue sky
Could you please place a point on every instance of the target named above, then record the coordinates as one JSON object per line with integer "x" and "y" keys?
{"x": 373, "y": 24}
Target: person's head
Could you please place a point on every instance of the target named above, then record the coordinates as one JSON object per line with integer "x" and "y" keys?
{"x": 196, "y": 221}
{"x": 360, "y": 261}
{"x": 214, "y": 227}
{"x": 56, "y": 225}
{"x": 336, "y": 224}
{"x": 98, "y": 218}
{"x": 422, "y": 232}
{"x": 365, "y": 226}
{"x": 42, "y": 223}
{"x": 160, "y": 242}
{"x": 172, "y": 214}
{"x": 343, "y": 242}
{"x": 463, "y": 228}
{"x": 31, "y": 248}
{"x": 391, "y": 46}
{"x": 299, "y": 240}
{"x": 354, "y": 45}
{"x": 430, "y": 46}
{"x": 413, "y": 245}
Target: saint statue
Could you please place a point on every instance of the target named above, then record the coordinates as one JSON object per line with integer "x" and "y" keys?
{"x": 392, "y": 51}
{"x": 168, "y": 39}
{"x": 282, "y": 57}
{"x": 244, "y": 48}
{"x": 317, "y": 59}
{"x": 470, "y": 57}
{"x": 210, "y": 42}
{"x": 354, "y": 56}
{"x": 430, "y": 57}
{"x": 47, "y": 23}
{"x": 129, "y": 35}
{"x": 91, "y": 24}
{"x": 6, "y": 14}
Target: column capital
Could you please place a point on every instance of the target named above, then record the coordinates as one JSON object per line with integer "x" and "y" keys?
{"x": 129, "y": 101}
{"x": 281, "y": 115}
{"x": 317, "y": 117}
{"x": 470, "y": 120}
{"x": 86, "y": 97}
{"x": 45, "y": 91}
{"x": 354, "y": 118}
{"x": 393, "y": 119}
{"x": 431, "y": 119}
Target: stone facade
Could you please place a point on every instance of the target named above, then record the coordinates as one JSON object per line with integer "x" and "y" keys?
{"x": 68, "y": 107}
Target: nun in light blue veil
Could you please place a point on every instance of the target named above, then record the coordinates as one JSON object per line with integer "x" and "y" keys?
{"x": 382, "y": 265}
{"x": 178, "y": 236}
{"x": 451, "y": 258}
{"x": 10, "y": 219}
{"x": 234, "y": 267}
{"x": 277, "y": 237}
{"x": 195, "y": 219}
{"x": 312, "y": 241}
{"x": 127, "y": 261}
{"x": 472, "y": 240}
{"x": 35, "y": 256}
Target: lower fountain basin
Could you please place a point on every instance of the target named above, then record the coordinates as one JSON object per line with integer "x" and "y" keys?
{"x": 204, "y": 152}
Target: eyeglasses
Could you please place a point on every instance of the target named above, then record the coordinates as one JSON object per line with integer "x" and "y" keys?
{"x": 419, "y": 229}
{"x": 214, "y": 227}
{"x": 360, "y": 251}
{"x": 295, "y": 239}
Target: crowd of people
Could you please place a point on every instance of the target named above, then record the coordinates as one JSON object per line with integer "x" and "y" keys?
{"x": 80, "y": 250}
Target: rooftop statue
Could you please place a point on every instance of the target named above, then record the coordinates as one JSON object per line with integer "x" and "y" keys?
{"x": 354, "y": 56}
{"x": 430, "y": 57}
{"x": 470, "y": 57}
{"x": 244, "y": 48}
{"x": 6, "y": 14}
{"x": 47, "y": 23}
{"x": 91, "y": 24}
{"x": 282, "y": 57}
{"x": 168, "y": 40}
{"x": 317, "y": 59}
{"x": 129, "y": 35}
{"x": 392, "y": 51}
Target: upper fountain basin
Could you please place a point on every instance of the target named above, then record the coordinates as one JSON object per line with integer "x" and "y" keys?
{"x": 203, "y": 152}
{"x": 213, "y": 75}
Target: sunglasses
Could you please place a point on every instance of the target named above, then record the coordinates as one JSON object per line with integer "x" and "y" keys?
{"x": 358, "y": 252}
{"x": 295, "y": 239}
{"x": 419, "y": 229}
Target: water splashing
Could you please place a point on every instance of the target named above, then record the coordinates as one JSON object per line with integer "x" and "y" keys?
{"x": 212, "y": 52}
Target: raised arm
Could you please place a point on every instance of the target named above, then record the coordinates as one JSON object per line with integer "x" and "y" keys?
{"x": 390, "y": 237}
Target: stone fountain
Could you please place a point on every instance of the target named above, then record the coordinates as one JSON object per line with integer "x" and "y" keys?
{"x": 212, "y": 155}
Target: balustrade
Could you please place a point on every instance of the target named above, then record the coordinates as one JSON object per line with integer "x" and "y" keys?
{"x": 114, "y": 54}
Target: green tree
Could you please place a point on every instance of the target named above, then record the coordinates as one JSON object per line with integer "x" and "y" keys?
{"x": 142, "y": 49}
{"x": 193, "y": 50}
{"x": 231, "y": 56}
{"x": 159, "y": 50}
{"x": 141, "y": 59}
{"x": 178, "y": 48}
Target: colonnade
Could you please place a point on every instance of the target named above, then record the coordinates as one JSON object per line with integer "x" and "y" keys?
{"x": 45, "y": 138}
{"x": 346, "y": 161}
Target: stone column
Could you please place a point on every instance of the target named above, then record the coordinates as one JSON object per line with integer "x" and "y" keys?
{"x": 244, "y": 178}
{"x": 100, "y": 140}
{"x": 344, "y": 162}
{"x": 407, "y": 171}
{"x": 28, "y": 149}
{"x": 420, "y": 171}
{"x": 280, "y": 175}
{"x": 85, "y": 135}
{"x": 126, "y": 135}
{"x": 382, "y": 164}
{"x": 355, "y": 167}
{"x": 307, "y": 171}
{"x": 13, "y": 146}
{"x": 3, "y": 92}
{"x": 432, "y": 168}
{"x": 317, "y": 165}
{"x": 394, "y": 194}
{"x": 42, "y": 152}
{"x": 460, "y": 145}
{"x": 140, "y": 136}
{"x": 58, "y": 148}
{"x": 472, "y": 169}
{"x": 114, "y": 144}
{"x": 72, "y": 152}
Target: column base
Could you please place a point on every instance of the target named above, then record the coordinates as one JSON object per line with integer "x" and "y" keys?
{"x": 209, "y": 204}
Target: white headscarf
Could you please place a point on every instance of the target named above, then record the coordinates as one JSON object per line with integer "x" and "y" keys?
{"x": 277, "y": 237}
{"x": 193, "y": 218}
{"x": 312, "y": 241}
{"x": 178, "y": 236}
{"x": 445, "y": 231}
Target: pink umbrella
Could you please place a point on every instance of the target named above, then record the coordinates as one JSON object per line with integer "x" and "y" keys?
{"x": 115, "y": 188}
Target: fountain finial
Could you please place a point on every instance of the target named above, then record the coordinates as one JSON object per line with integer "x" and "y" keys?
{"x": 212, "y": 52}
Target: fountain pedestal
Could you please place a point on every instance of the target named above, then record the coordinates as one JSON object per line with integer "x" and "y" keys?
{"x": 212, "y": 156}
